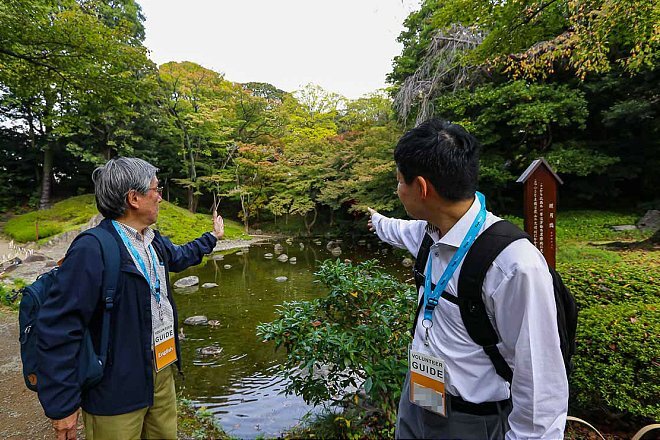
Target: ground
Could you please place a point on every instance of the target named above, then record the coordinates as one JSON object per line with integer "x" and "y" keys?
{"x": 22, "y": 416}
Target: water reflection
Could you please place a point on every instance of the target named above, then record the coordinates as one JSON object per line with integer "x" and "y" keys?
{"x": 240, "y": 385}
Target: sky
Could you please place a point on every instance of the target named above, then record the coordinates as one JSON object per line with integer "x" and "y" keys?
{"x": 345, "y": 46}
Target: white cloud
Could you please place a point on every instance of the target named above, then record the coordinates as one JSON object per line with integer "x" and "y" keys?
{"x": 345, "y": 46}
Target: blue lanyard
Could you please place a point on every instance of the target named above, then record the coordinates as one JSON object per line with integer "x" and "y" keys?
{"x": 155, "y": 289}
{"x": 431, "y": 297}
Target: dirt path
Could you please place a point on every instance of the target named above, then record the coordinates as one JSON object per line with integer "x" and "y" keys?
{"x": 21, "y": 416}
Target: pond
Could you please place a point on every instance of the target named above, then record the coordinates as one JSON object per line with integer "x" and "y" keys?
{"x": 240, "y": 386}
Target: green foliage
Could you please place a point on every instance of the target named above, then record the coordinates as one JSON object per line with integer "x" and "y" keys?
{"x": 616, "y": 365}
{"x": 354, "y": 337}
{"x": 178, "y": 224}
{"x": 181, "y": 226}
{"x": 595, "y": 226}
{"x": 604, "y": 283}
{"x": 64, "y": 216}
{"x": 10, "y": 294}
{"x": 197, "y": 424}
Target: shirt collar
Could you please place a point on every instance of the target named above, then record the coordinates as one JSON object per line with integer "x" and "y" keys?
{"x": 454, "y": 237}
{"x": 134, "y": 235}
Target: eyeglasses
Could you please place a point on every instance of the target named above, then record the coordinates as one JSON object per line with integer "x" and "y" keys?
{"x": 158, "y": 189}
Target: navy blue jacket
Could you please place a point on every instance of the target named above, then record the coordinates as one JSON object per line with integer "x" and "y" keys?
{"x": 74, "y": 304}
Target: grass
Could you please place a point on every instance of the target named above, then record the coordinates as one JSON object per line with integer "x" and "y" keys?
{"x": 193, "y": 423}
{"x": 64, "y": 216}
{"x": 177, "y": 223}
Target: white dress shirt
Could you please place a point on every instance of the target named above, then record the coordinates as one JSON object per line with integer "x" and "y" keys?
{"x": 519, "y": 299}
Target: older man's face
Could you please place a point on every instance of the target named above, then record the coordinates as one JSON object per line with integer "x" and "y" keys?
{"x": 149, "y": 208}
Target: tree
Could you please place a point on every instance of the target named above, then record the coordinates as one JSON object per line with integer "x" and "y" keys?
{"x": 55, "y": 55}
{"x": 202, "y": 118}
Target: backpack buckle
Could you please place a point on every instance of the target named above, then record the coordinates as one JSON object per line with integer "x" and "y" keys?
{"x": 109, "y": 303}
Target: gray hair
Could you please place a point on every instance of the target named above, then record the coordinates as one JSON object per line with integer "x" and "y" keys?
{"x": 115, "y": 179}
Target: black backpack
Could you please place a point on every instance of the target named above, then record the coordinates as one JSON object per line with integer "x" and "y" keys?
{"x": 478, "y": 260}
{"x": 90, "y": 364}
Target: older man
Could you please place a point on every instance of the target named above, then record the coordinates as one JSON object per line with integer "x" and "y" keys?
{"x": 136, "y": 396}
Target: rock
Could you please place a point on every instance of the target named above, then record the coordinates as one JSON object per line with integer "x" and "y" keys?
{"x": 293, "y": 260}
{"x": 278, "y": 248}
{"x": 213, "y": 323}
{"x": 196, "y": 320}
{"x": 239, "y": 253}
{"x": 268, "y": 256}
{"x": 330, "y": 246}
{"x": 227, "y": 266}
{"x": 35, "y": 257}
{"x": 10, "y": 264}
{"x": 187, "y": 282}
{"x": 218, "y": 257}
{"x": 361, "y": 242}
{"x": 301, "y": 245}
{"x": 209, "y": 285}
{"x": 289, "y": 241}
{"x": 407, "y": 262}
{"x": 283, "y": 258}
{"x": 347, "y": 261}
{"x": 336, "y": 252}
{"x": 258, "y": 232}
{"x": 317, "y": 242}
{"x": 281, "y": 279}
{"x": 620, "y": 228}
{"x": 211, "y": 350}
{"x": 651, "y": 220}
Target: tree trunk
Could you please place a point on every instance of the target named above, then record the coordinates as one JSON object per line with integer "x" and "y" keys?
{"x": 309, "y": 226}
{"x": 47, "y": 177}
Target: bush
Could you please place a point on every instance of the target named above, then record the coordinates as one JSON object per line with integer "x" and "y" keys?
{"x": 616, "y": 364}
{"x": 355, "y": 336}
{"x": 598, "y": 284}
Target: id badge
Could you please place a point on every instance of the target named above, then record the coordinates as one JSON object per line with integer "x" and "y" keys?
{"x": 427, "y": 382}
{"x": 164, "y": 346}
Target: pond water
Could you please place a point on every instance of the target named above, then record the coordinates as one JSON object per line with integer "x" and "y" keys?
{"x": 241, "y": 386}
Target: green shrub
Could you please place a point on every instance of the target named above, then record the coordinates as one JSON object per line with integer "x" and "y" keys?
{"x": 356, "y": 335}
{"x": 594, "y": 284}
{"x": 617, "y": 361}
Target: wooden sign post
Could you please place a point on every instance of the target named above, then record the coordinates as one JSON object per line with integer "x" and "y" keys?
{"x": 540, "y": 200}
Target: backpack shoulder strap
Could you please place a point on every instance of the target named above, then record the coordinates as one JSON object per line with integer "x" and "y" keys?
{"x": 478, "y": 260}
{"x": 111, "y": 261}
{"x": 418, "y": 273}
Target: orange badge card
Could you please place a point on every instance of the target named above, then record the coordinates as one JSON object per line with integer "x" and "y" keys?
{"x": 164, "y": 347}
{"x": 427, "y": 382}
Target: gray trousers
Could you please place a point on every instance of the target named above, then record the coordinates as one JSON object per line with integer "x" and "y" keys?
{"x": 416, "y": 422}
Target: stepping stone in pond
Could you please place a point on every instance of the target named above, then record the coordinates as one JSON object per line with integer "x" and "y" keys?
{"x": 281, "y": 279}
{"x": 227, "y": 266}
{"x": 283, "y": 258}
{"x": 187, "y": 282}
{"x": 209, "y": 285}
{"x": 293, "y": 260}
{"x": 196, "y": 320}
{"x": 211, "y": 350}
{"x": 268, "y": 256}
